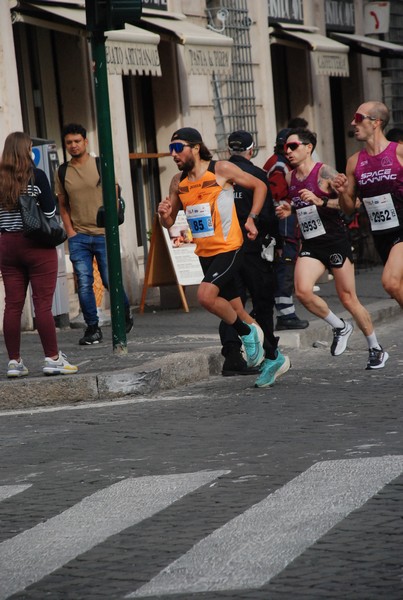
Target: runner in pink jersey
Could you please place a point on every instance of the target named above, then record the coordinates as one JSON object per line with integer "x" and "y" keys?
{"x": 375, "y": 176}
{"x": 325, "y": 245}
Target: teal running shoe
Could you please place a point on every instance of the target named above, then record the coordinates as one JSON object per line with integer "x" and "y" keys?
{"x": 253, "y": 348}
{"x": 271, "y": 369}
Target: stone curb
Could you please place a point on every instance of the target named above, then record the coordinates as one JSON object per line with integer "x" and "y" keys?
{"x": 167, "y": 372}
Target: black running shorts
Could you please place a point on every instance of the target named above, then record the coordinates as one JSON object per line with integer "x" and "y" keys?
{"x": 221, "y": 270}
{"x": 333, "y": 256}
{"x": 384, "y": 242}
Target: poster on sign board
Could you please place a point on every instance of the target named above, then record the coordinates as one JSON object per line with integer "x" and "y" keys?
{"x": 181, "y": 249}
{"x": 171, "y": 259}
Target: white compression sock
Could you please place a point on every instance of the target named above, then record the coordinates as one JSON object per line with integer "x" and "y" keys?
{"x": 372, "y": 341}
{"x": 334, "y": 321}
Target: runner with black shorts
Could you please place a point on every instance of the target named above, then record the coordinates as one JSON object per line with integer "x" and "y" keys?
{"x": 204, "y": 191}
{"x": 325, "y": 245}
{"x": 374, "y": 175}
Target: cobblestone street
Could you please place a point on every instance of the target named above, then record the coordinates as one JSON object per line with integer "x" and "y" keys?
{"x": 286, "y": 492}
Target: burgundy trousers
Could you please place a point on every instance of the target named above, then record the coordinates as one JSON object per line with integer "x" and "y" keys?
{"x": 23, "y": 261}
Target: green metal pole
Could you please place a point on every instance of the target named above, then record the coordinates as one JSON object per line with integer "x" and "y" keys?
{"x": 109, "y": 194}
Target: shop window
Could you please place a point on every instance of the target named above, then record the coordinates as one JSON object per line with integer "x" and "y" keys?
{"x": 142, "y": 141}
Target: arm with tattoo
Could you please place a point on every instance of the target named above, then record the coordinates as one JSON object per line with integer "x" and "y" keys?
{"x": 325, "y": 181}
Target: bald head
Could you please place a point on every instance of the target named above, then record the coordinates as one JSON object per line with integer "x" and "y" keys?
{"x": 377, "y": 110}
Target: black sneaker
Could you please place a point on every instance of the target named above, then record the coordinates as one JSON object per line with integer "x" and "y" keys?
{"x": 92, "y": 335}
{"x": 377, "y": 358}
{"x": 129, "y": 321}
{"x": 235, "y": 364}
{"x": 340, "y": 338}
{"x": 291, "y": 323}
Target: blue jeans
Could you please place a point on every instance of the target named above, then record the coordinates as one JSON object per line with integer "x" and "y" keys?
{"x": 83, "y": 248}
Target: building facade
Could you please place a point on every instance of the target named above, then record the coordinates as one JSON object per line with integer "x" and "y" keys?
{"x": 217, "y": 65}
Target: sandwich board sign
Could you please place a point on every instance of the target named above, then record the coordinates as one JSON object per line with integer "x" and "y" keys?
{"x": 171, "y": 259}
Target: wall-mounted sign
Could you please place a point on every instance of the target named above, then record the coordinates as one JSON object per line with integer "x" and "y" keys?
{"x": 287, "y": 11}
{"x": 208, "y": 59}
{"x": 339, "y": 15}
{"x": 125, "y": 57}
{"x": 331, "y": 64}
{"x": 155, "y": 4}
{"x": 376, "y": 17}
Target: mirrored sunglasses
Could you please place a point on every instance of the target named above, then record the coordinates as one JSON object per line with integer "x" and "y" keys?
{"x": 359, "y": 117}
{"x": 294, "y": 145}
{"x": 177, "y": 147}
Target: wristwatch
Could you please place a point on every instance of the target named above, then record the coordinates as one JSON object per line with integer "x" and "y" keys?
{"x": 325, "y": 200}
{"x": 253, "y": 216}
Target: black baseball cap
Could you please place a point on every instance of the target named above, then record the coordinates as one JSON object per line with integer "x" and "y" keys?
{"x": 240, "y": 140}
{"x": 188, "y": 134}
{"x": 282, "y": 136}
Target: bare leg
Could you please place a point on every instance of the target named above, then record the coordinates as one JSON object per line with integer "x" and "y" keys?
{"x": 307, "y": 272}
{"x": 345, "y": 286}
{"x": 392, "y": 276}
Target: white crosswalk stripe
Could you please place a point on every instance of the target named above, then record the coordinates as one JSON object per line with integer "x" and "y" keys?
{"x": 245, "y": 553}
{"x": 6, "y": 491}
{"x": 257, "y": 545}
{"x": 33, "y": 554}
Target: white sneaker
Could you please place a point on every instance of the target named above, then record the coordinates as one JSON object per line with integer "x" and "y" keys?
{"x": 340, "y": 338}
{"x": 16, "y": 369}
{"x": 316, "y": 288}
{"x": 377, "y": 358}
{"x": 60, "y": 366}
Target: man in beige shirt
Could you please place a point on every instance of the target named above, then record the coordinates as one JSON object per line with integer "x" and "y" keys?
{"x": 79, "y": 193}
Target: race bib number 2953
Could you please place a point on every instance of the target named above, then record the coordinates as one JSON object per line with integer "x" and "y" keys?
{"x": 310, "y": 222}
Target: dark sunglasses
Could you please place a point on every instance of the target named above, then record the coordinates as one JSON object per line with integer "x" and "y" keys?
{"x": 294, "y": 145}
{"x": 358, "y": 118}
{"x": 177, "y": 147}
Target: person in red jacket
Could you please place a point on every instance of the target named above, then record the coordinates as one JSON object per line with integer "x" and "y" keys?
{"x": 277, "y": 168}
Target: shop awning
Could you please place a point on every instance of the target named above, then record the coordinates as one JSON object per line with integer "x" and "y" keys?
{"x": 129, "y": 50}
{"x": 134, "y": 50}
{"x": 330, "y": 57}
{"x": 206, "y": 51}
{"x": 371, "y": 46}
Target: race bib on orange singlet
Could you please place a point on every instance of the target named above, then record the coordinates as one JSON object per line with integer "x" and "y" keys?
{"x": 199, "y": 220}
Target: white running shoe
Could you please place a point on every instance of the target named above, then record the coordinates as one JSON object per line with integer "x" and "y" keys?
{"x": 340, "y": 338}
{"x": 377, "y": 358}
{"x": 60, "y": 366}
{"x": 16, "y": 369}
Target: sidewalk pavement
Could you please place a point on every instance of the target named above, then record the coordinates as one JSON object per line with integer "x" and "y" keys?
{"x": 166, "y": 349}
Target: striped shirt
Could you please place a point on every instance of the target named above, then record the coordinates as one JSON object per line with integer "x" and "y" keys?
{"x": 10, "y": 220}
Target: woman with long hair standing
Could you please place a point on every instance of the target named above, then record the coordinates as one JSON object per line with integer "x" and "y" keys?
{"x": 24, "y": 261}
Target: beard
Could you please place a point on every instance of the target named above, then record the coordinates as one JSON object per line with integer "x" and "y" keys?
{"x": 187, "y": 165}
